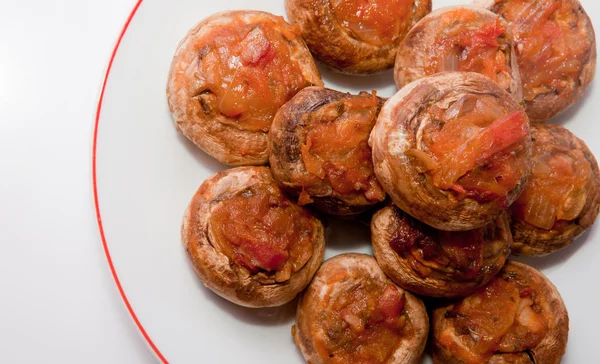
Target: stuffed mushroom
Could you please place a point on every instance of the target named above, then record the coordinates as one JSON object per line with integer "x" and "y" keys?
{"x": 556, "y": 51}
{"x": 319, "y": 150}
{"x": 561, "y": 199}
{"x": 435, "y": 263}
{"x": 452, "y": 150}
{"x": 352, "y": 313}
{"x": 248, "y": 242}
{"x": 230, "y": 75}
{"x": 356, "y": 36}
{"x": 519, "y": 317}
{"x": 467, "y": 39}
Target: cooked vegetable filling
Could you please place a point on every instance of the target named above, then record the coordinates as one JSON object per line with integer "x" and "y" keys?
{"x": 377, "y": 22}
{"x": 248, "y": 72}
{"x": 558, "y": 188}
{"x": 460, "y": 253}
{"x": 474, "y": 148}
{"x": 364, "y": 322}
{"x": 262, "y": 230}
{"x": 551, "y": 44}
{"x": 469, "y": 44}
{"x": 336, "y": 147}
{"x": 504, "y": 317}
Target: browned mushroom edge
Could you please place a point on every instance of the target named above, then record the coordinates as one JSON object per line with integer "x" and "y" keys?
{"x": 519, "y": 317}
{"x": 351, "y": 312}
{"x": 231, "y": 236}
{"x": 229, "y": 75}
{"x": 329, "y": 35}
{"x": 560, "y": 201}
{"x": 433, "y": 263}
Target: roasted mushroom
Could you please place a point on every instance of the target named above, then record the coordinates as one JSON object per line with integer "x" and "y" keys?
{"x": 556, "y": 50}
{"x": 561, "y": 198}
{"x": 248, "y": 242}
{"x": 435, "y": 263}
{"x": 352, "y": 313}
{"x": 356, "y": 36}
{"x": 230, "y": 75}
{"x": 519, "y": 317}
{"x": 452, "y": 150}
{"x": 465, "y": 38}
{"x": 319, "y": 150}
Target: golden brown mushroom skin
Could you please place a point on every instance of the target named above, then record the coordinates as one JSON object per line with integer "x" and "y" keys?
{"x": 229, "y": 76}
{"x": 352, "y": 313}
{"x": 248, "y": 242}
{"x": 519, "y": 317}
{"x": 319, "y": 150}
{"x": 435, "y": 263}
{"x": 556, "y": 49}
{"x": 562, "y": 198}
{"x": 460, "y": 38}
{"x": 432, "y": 131}
{"x": 353, "y": 36}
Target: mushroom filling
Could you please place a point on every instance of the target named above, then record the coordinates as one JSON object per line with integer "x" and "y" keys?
{"x": 336, "y": 148}
{"x": 551, "y": 44}
{"x": 558, "y": 188}
{"x": 504, "y": 317}
{"x": 247, "y": 72}
{"x": 468, "y": 43}
{"x": 461, "y": 255}
{"x": 263, "y": 231}
{"x": 377, "y": 22}
{"x": 363, "y": 323}
{"x": 474, "y": 148}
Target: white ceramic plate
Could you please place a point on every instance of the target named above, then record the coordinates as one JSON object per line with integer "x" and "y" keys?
{"x": 146, "y": 173}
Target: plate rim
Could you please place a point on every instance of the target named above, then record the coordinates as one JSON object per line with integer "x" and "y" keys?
{"x": 108, "y": 257}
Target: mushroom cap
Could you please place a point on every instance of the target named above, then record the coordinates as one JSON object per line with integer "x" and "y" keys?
{"x": 332, "y": 44}
{"x": 399, "y": 128}
{"x": 197, "y": 118}
{"x": 409, "y": 350}
{"x": 216, "y": 270}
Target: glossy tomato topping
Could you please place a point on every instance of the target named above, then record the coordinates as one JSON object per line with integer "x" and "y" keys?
{"x": 260, "y": 229}
{"x": 552, "y": 44}
{"x": 377, "y": 22}
{"x": 474, "y": 148}
{"x": 468, "y": 44}
{"x": 336, "y": 147}
{"x": 250, "y": 72}
{"x": 364, "y": 324}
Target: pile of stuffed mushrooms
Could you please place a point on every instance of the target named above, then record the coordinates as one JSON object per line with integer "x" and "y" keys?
{"x": 456, "y": 171}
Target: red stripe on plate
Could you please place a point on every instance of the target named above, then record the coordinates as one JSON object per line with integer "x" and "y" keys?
{"x": 97, "y": 205}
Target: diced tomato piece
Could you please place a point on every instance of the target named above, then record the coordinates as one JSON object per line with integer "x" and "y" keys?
{"x": 256, "y": 48}
{"x": 391, "y": 303}
{"x": 502, "y": 134}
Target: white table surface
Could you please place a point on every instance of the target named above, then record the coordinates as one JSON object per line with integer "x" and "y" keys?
{"x": 58, "y": 302}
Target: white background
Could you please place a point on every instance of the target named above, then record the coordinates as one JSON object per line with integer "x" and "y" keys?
{"x": 58, "y": 302}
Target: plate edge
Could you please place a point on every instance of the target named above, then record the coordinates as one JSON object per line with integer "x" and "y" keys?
{"x": 113, "y": 272}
